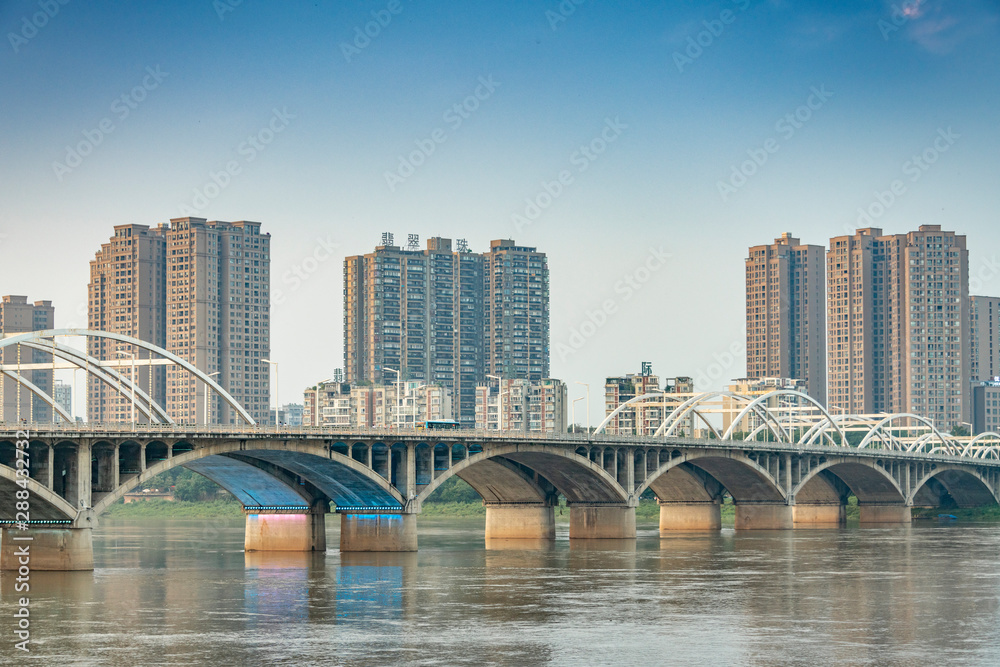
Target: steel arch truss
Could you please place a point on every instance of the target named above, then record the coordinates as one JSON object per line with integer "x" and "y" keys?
{"x": 45, "y": 341}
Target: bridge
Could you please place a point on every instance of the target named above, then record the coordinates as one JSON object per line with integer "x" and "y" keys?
{"x": 784, "y": 461}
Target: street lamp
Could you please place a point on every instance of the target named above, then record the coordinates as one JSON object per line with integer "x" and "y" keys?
{"x": 132, "y": 378}
{"x": 277, "y": 394}
{"x": 208, "y": 389}
{"x": 398, "y": 404}
{"x": 574, "y": 411}
{"x": 584, "y": 384}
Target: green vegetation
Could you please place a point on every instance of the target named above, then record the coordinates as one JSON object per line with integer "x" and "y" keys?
{"x": 991, "y": 513}
{"x": 180, "y": 509}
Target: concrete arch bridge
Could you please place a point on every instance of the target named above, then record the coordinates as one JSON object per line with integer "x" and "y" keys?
{"x": 377, "y": 480}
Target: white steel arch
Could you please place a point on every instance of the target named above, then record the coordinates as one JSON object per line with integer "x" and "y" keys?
{"x": 37, "y": 391}
{"x": 40, "y": 336}
{"x": 106, "y": 374}
{"x": 887, "y": 436}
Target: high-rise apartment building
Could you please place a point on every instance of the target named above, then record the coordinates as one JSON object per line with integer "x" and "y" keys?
{"x": 439, "y": 314}
{"x": 899, "y": 324}
{"x": 126, "y": 295}
{"x": 984, "y": 359}
{"x": 200, "y": 289}
{"x": 19, "y": 316}
{"x": 516, "y": 311}
{"x": 786, "y": 313}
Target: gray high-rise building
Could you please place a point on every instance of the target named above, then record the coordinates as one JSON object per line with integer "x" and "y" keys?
{"x": 412, "y": 314}
{"x": 985, "y": 338}
{"x": 200, "y": 289}
{"x": 516, "y": 311}
{"x": 445, "y": 316}
{"x": 898, "y": 317}
{"x": 786, "y": 313}
{"x": 19, "y": 316}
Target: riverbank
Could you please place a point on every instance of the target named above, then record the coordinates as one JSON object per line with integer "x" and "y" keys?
{"x": 648, "y": 510}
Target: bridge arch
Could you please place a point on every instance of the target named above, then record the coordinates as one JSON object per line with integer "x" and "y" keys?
{"x": 966, "y": 486}
{"x": 869, "y": 482}
{"x": 348, "y": 483}
{"x": 52, "y": 505}
{"x": 560, "y": 467}
{"x": 683, "y": 477}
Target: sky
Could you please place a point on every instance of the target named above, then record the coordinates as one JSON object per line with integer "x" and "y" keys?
{"x": 643, "y": 146}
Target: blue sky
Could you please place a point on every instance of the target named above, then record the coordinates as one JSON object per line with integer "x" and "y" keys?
{"x": 682, "y": 120}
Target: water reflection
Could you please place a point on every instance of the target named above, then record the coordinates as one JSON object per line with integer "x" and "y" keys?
{"x": 162, "y": 594}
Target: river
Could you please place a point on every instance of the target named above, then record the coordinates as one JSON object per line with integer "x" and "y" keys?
{"x": 182, "y": 592}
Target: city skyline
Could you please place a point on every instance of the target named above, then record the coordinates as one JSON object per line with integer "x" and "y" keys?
{"x": 609, "y": 150}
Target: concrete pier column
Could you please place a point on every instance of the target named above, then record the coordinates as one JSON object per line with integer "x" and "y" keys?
{"x": 763, "y": 516}
{"x": 604, "y": 522}
{"x": 869, "y": 514}
{"x": 690, "y": 516}
{"x": 819, "y": 516}
{"x": 520, "y": 522}
{"x": 282, "y": 531}
{"x": 60, "y": 549}
{"x": 378, "y": 532}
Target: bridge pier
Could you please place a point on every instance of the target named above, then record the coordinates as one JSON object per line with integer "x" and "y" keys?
{"x": 819, "y": 515}
{"x": 59, "y": 549}
{"x": 284, "y": 531}
{"x": 520, "y": 522}
{"x": 378, "y": 532}
{"x": 764, "y": 516}
{"x": 601, "y": 522}
{"x": 869, "y": 514}
{"x": 690, "y": 516}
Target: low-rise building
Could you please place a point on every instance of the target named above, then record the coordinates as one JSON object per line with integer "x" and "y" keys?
{"x": 403, "y": 405}
{"x": 643, "y": 417}
{"x": 528, "y": 406}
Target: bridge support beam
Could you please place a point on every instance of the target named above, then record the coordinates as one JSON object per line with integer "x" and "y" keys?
{"x": 690, "y": 516}
{"x": 378, "y": 532}
{"x": 520, "y": 522}
{"x": 875, "y": 514}
{"x": 601, "y": 522}
{"x": 764, "y": 516}
{"x": 819, "y": 516}
{"x": 59, "y": 549}
{"x": 279, "y": 531}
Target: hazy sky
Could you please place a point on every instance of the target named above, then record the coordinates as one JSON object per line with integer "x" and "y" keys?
{"x": 623, "y": 123}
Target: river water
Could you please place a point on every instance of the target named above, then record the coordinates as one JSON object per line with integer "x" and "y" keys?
{"x": 179, "y": 592}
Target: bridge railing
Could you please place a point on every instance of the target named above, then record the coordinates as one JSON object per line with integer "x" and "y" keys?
{"x": 983, "y": 447}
